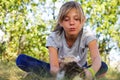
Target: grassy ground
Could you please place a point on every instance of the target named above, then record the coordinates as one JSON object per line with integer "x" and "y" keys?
{"x": 9, "y": 71}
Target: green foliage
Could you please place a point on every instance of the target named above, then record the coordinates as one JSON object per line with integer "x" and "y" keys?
{"x": 23, "y": 34}
{"x": 102, "y": 16}
{"x": 34, "y": 43}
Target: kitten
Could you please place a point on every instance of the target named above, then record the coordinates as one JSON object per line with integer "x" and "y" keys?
{"x": 70, "y": 70}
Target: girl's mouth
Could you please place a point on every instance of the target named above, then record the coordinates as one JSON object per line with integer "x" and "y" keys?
{"x": 72, "y": 29}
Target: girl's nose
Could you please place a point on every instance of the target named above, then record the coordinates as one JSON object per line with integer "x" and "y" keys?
{"x": 72, "y": 22}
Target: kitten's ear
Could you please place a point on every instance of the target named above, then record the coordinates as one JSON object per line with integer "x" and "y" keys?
{"x": 62, "y": 64}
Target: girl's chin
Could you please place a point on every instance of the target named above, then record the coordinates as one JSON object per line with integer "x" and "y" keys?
{"x": 73, "y": 33}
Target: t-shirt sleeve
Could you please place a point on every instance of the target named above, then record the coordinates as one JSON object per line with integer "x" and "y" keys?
{"x": 51, "y": 41}
{"x": 90, "y": 36}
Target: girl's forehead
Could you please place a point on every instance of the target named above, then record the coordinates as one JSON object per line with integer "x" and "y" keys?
{"x": 73, "y": 11}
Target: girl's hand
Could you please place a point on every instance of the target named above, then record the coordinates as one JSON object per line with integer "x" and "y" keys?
{"x": 54, "y": 71}
{"x": 88, "y": 74}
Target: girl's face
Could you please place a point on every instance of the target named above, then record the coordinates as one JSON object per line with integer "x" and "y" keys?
{"x": 71, "y": 23}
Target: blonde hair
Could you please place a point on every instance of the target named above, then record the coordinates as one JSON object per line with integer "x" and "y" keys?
{"x": 64, "y": 11}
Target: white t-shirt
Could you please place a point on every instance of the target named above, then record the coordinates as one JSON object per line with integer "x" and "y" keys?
{"x": 78, "y": 49}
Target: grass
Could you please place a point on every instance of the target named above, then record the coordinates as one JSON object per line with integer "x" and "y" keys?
{"x": 9, "y": 71}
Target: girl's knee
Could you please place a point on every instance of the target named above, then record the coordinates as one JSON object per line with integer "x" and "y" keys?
{"x": 103, "y": 69}
{"x": 19, "y": 59}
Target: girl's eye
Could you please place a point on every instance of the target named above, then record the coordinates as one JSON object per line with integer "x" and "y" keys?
{"x": 76, "y": 19}
{"x": 66, "y": 19}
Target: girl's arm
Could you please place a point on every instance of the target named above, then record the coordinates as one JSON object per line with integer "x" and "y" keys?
{"x": 54, "y": 64}
{"x": 95, "y": 57}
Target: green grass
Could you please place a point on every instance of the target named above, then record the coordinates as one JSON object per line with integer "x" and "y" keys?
{"x": 9, "y": 71}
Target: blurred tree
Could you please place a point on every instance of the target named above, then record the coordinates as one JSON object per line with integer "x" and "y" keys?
{"x": 102, "y": 16}
{"x": 24, "y": 29}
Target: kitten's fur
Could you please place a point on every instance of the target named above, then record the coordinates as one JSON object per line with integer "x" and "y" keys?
{"x": 71, "y": 71}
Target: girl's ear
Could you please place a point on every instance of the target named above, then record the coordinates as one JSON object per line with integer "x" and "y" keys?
{"x": 83, "y": 21}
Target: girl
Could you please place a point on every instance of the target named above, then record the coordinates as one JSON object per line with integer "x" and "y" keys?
{"x": 70, "y": 38}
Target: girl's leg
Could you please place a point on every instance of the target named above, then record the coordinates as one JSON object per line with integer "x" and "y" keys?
{"x": 103, "y": 69}
{"x": 30, "y": 64}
